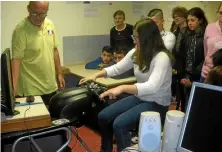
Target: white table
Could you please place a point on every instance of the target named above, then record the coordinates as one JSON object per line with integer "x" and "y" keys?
{"x": 29, "y": 117}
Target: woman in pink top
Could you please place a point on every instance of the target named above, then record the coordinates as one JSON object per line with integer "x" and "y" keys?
{"x": 212, "y": 43}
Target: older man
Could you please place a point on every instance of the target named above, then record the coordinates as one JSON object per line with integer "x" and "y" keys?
{"x": 168, "y": 38}
{"x": 35, "y": 57}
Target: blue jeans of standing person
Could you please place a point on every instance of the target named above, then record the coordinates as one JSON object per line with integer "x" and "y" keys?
{"x": 122, "y": 116}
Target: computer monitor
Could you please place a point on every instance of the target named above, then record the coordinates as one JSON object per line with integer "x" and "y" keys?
{"x": 201, "y": 130}
{"x": 7, "y": 98}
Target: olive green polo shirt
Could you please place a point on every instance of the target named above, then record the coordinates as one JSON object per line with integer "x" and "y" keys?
{"x": 35, "y": 47}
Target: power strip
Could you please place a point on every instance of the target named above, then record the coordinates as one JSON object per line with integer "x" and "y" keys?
{"x": 18, "y": 104}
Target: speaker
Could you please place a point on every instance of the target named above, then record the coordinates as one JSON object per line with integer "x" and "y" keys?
{"x": 149, "y": 132}
{"x": 171, "y": 132}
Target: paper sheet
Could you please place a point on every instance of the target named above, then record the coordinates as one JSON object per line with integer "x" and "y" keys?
{"x": 138, "y": 8}
{"x": 72, "y": 2}
{"x": 91, "y": 10}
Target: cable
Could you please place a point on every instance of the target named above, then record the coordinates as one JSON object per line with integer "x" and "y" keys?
{"x": 77, "y": 135}
{"x": 30, "y": 144}
{"x": 81, "y": 141}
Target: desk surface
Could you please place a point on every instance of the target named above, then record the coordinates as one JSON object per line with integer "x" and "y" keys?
{"x": 30, "y": 116}
{"x": 80, "y": 71}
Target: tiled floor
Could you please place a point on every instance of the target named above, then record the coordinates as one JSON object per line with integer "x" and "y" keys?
{"x": 91, "y": 138}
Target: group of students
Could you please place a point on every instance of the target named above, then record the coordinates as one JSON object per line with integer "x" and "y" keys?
{"x": 121, "y": 41}
{"x": 187, "y": 53}
{"x": 36, "y": 68}
{"x": 196, "y": 43}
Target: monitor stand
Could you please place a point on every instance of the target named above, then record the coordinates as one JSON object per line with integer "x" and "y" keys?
{"x": 16, "y": 112}
{"x": 8, "y": 112}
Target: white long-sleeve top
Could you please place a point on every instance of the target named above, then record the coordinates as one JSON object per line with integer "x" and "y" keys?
{"x": 153, "y": 85}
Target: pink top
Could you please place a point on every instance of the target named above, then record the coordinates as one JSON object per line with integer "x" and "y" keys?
{"x": 212, "y": 43}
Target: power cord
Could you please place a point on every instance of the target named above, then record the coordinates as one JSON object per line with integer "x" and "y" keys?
{"x": 77, "y": 135}
{"x": 27, "y": 130}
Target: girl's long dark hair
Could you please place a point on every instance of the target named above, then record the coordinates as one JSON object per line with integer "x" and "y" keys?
{"x": 151, "y": 43}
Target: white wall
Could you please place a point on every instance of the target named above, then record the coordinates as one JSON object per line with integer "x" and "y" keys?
{"x": 70, "y": 21}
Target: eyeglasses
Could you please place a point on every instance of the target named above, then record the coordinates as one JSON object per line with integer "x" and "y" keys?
{"x": 134, "y": 37}
{"x": 219, "y": 13}
{"x": 41, "y": 15}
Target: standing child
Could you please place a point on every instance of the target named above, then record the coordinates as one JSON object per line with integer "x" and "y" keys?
{"x": 193, "y": 49}
{"x": 120, "y": 34}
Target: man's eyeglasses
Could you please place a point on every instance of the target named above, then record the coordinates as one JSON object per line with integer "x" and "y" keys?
{"x": 41, "y": 15}
{"x": 219, "y": 13}
{"x": 134, "y": 37}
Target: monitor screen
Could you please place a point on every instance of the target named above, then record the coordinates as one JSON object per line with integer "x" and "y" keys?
{"x": 202, "y": 125}
{"x": 7, "y": 98}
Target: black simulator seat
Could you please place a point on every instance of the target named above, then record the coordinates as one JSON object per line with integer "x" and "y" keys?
{"x": 70, "y": 104}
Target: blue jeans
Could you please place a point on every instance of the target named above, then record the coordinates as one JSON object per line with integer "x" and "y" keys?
{"x": 122, "y": 116}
